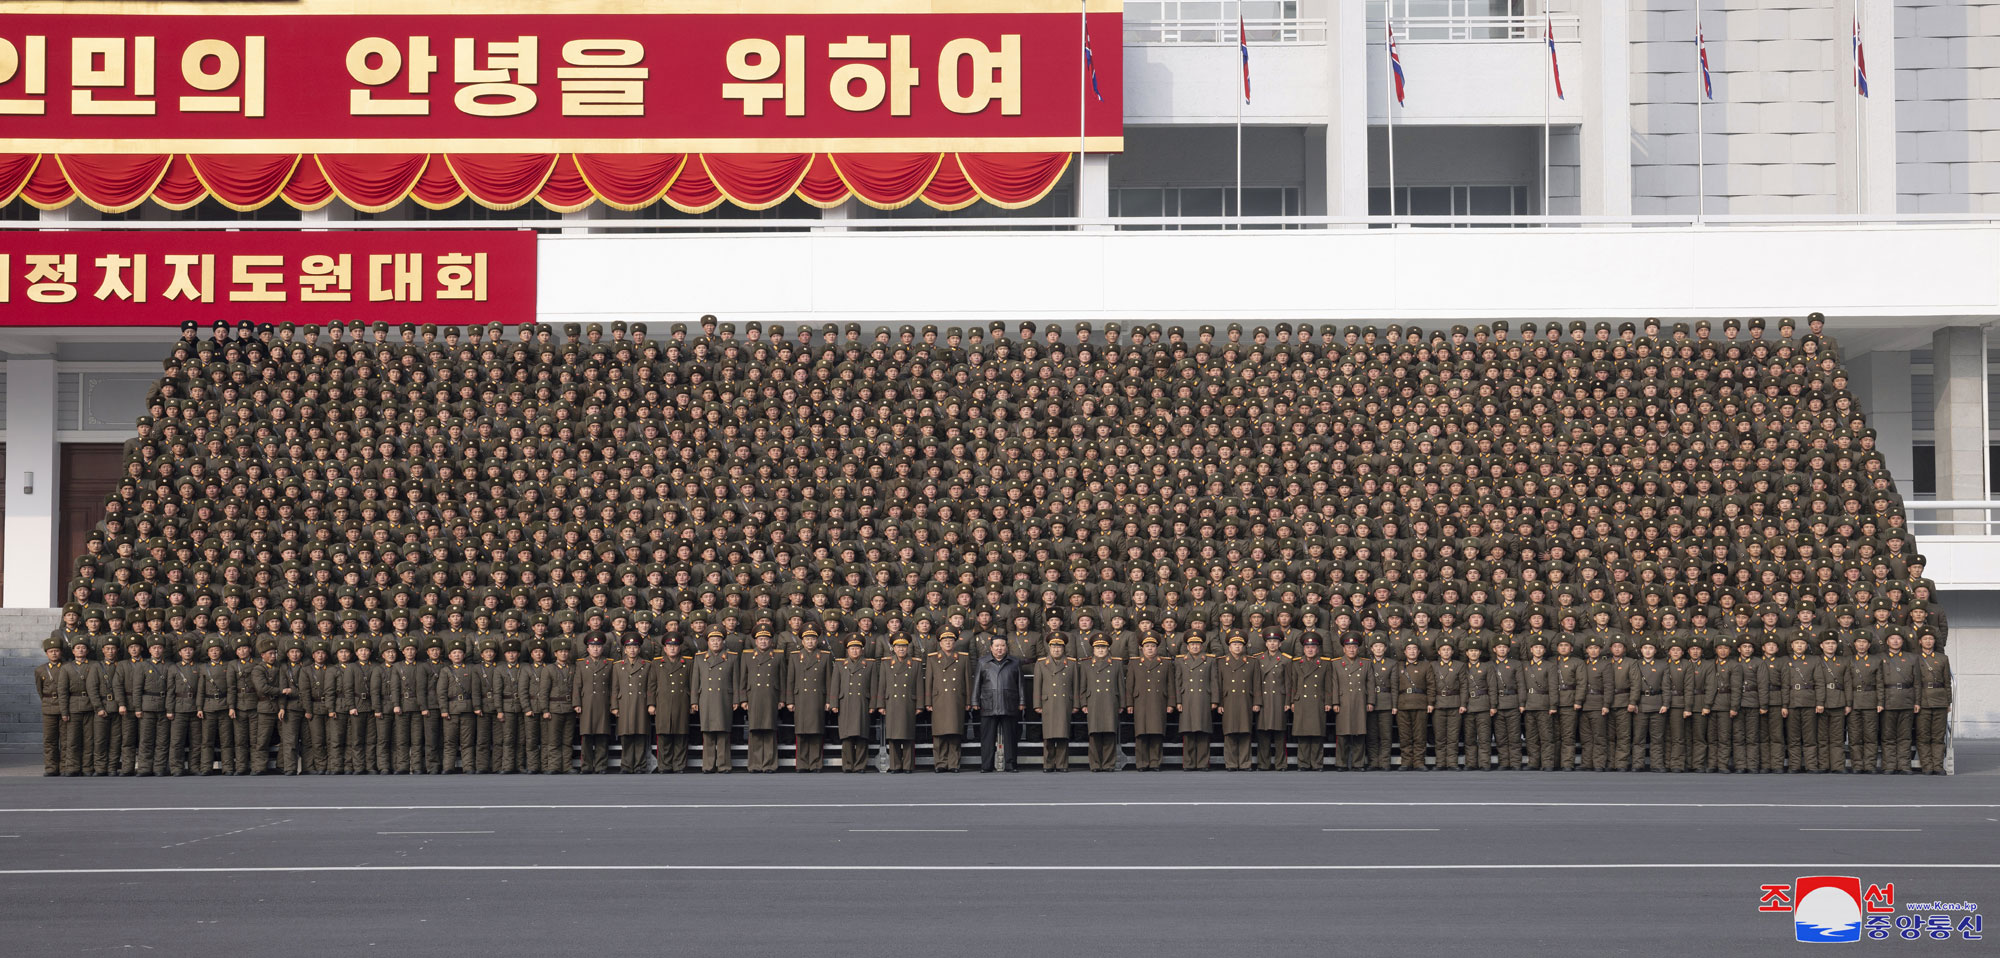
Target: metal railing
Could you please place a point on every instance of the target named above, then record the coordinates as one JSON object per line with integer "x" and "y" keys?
{"x": 1196, "y": 32}
{"x": 1463, "y": 28}
{"x": 1953, "y": 517}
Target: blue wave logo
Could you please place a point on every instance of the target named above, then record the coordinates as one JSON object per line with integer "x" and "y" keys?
{"x": 1827, "y": 914}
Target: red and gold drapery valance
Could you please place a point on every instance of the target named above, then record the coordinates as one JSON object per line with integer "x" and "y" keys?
{"x": 563, "y": 182}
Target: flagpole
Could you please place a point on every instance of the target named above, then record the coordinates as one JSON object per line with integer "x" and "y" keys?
{"x": 1548, "y": 36}
{"x": 1243, "y": 48}
{"x": 1082, "y": 98}
{"x": 1389, "y": 91}
{"x": 1860, "y": 108}
{"x": 1700, "y": 92}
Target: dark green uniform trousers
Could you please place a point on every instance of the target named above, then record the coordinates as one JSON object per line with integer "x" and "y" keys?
{"x": 1649, "y": 740}
{"x": 715, "y": 752}
{"x": 1567, "y": 726}
{"x": 1931, "y": 736}
{"x": 672, "y": 752}
{"x": 1103, "y": 752}
{"x": 1507, "y": 736}
{"x": 1312, "y": 752}
{"x": 1479, "y": 740}
{"x": 762, "y": 750}
{"x": 1410, "y": 738}
{"x": 1381, "y": 735}
{"x": 1541, "y": 739}
{"x": 1594, "y": 725}
{"x": 632, "y": 754}
{"x": 853, "y": 754}
{"x": 1446, "y": 724}
{"x": 1270, "y": 750}
{"x": 1146, "y": 750}
{"x": 1864, "y": 729}
{"x": 558, "y": 734}
{"x": 1620, "y": 724}
{"x": 1898, "y": 729}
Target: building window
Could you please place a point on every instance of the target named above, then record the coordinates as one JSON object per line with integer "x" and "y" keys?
{"x": 1452, "y": 201}
{"x": 1172, "y": 201}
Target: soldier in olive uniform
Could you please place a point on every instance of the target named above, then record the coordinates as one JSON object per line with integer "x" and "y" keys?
{"x": 1569, "y": 680}
{"x": 899, "y": 696}
{"x": 1351, "y": 693}
{"x": 1273, "y": 682}
{"x": 1413, "y": 707}
{"x": 1623, "y": 702}
{"x": 1649, "y": 727}
{"x": 1237, "y": 703}
{"x": 245, "y": 692}
{"x": 1831, "y": 707}
{"x": 1479, "y": 707}
{"x": 631, "y": 706}
{"x": 406, "y": 694}
{"x": 1385, "y": 675}
{"x": 107, "y": 729}
{"x": 1594, "y": 714}
{"x": 1770, "y": 669}
{"x": 184, "y": 699}
{"x": 673, "y": 689}
{"x": 52, "y": 689}
{"x": 217, "y": 726}
{"x": 809, "y": 679}
{"x": 1055, "y": 694}
{"x": 511, "y": 678}
{"x": 947, "y": 678}
{"x": 78, "y": 743}
{"x": 1538, "y": 706}
{"x": 461, "y": 699}
{"x": 1101, "y": 690}
{"x": 431, "y": 713}
{"x": 717, "y": 694}
{"x": 1864, "y": 726}
{"x": 295, "y": 711}
{"x": 1310, "y": 694}
{"x": 1933, "y": 712}
{"x": 761, "y": 674}
{"x": 1195, "y": 688}
{"x": 1801, "y": 678}
{"x": 1447, "y": 706}
{"x": 1899, "y": 703}
{"x": 1725, "y": 678}
{"x": 561, "y": 712}
{"x": 851, "y": 698}
{"x": 1149, "y": 698}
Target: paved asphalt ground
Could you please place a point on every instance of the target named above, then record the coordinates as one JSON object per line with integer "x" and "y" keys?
{"x": 1024, "y": 865}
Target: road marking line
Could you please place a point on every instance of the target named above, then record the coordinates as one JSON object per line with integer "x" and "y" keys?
{"x": 1572, "y": 866}
{"x": 1380, "y": 829}
{"x": 249, "y": 828}
{"x": 1861, "y": 829}
{"x": 906, "y": 829}
{"x": 486, "y": 832}
{"x": 765, "y": 806}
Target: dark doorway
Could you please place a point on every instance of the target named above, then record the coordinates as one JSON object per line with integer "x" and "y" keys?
{"x": 90, "y": 471}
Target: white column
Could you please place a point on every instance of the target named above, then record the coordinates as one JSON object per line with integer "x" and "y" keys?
{"x": 1093, "y": 187}
{"x": 1347, "y": 123}
{"x": 1881, "y": 381}
{"x": 837, "y": 217}
{"x": 1606, "y": 135}
{"x": 1958, "y": 358}
{"x": 31, "y": 516}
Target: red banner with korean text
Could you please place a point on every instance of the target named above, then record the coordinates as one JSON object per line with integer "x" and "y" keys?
{"x": 165, "y": 278}
{"x": 714, "y": 83}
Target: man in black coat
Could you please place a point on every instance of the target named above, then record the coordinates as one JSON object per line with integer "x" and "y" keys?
{"x": 996, "y": 696}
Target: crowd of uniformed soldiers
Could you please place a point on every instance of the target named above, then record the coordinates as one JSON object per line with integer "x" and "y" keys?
{"x": 368, "y": 507}
{"x": 416, "y": 711}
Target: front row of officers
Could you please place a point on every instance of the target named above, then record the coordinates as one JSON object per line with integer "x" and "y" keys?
{"x": 345, "y": 711}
